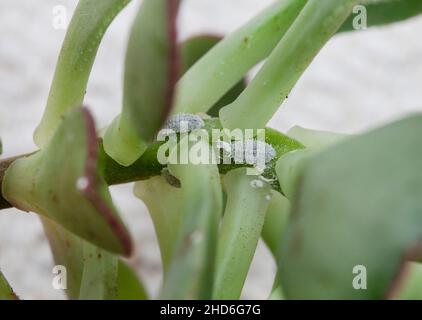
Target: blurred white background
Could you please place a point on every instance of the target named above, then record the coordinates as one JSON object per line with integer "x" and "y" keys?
{"x": 358, "y": 81}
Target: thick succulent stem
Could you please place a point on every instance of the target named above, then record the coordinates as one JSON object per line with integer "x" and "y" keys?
{"x": 148, "y": 166}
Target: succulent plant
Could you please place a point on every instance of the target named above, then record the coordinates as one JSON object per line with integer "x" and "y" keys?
{"x": 324, "y": 203}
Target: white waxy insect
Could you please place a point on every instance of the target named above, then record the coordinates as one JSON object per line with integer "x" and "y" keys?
{"x": 183, "y": 122}
{"x": 252, "y": 152}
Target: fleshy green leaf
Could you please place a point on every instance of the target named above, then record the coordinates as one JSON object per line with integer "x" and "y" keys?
{"x": 191, "y": 269}
{"x": 129, "y": 285}
{"x": 276, "y": 294}
{"x": 358, "y": 203}
{"x": 122, "y": 143}
{"x": 194, "y": 49}
{"x": 248, "y": 198}
{"x": 6, "y": 292}
{"x": 228, "y": 62}
{"x": 276, "y": 220}
{"x": 86, "y": 30}
{"x": 94, "y": 269}
{"x": 100, "y": 274}
{"x": 151, "y": 72}
{"x": 314, "y": 26}
{"x": 3, "y": 165}
{"x": 61, "y": 182}
{"x": 275, "y": 225}
{"x": 277, "y": 290}
{"x": 67, "y": 250}
{"x": 289, "y": 168}
{"x": 315, "y": 139}
{"x": 412, "y": 285}
{"x": 381, "y": 12}
{"x": 165, "y": 204}
{"x": 282, "y": 144}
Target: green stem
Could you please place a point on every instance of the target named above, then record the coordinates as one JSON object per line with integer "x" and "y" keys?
{"x": 165, "y": 204}
{"x": 226, "y": 64}
{"x": 147, "y": 166}
{"x": 191, "y": 269}
{"x": 151, "y": 71}
{"x": 315, "y": 25}
{"x": 277, "y": 289}
{"x": 248, "y": 198}
{"x": 86, "y": 30}
{"x": 100, "y": 274}
{"x": 276, "y": 221}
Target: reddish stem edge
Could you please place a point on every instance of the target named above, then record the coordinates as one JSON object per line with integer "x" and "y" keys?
{"x": 91, "y": 191}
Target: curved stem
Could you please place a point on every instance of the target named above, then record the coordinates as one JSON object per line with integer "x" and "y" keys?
{"x": 86, "y": 30}
{"x": 226, "y": 64}
{"x": 314, "y": 26}
{"x": 191, "y": 269}
{"x": 248, "y": 198}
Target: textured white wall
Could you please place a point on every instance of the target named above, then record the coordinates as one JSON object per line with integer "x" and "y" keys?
{"x": 358, "y": 81}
